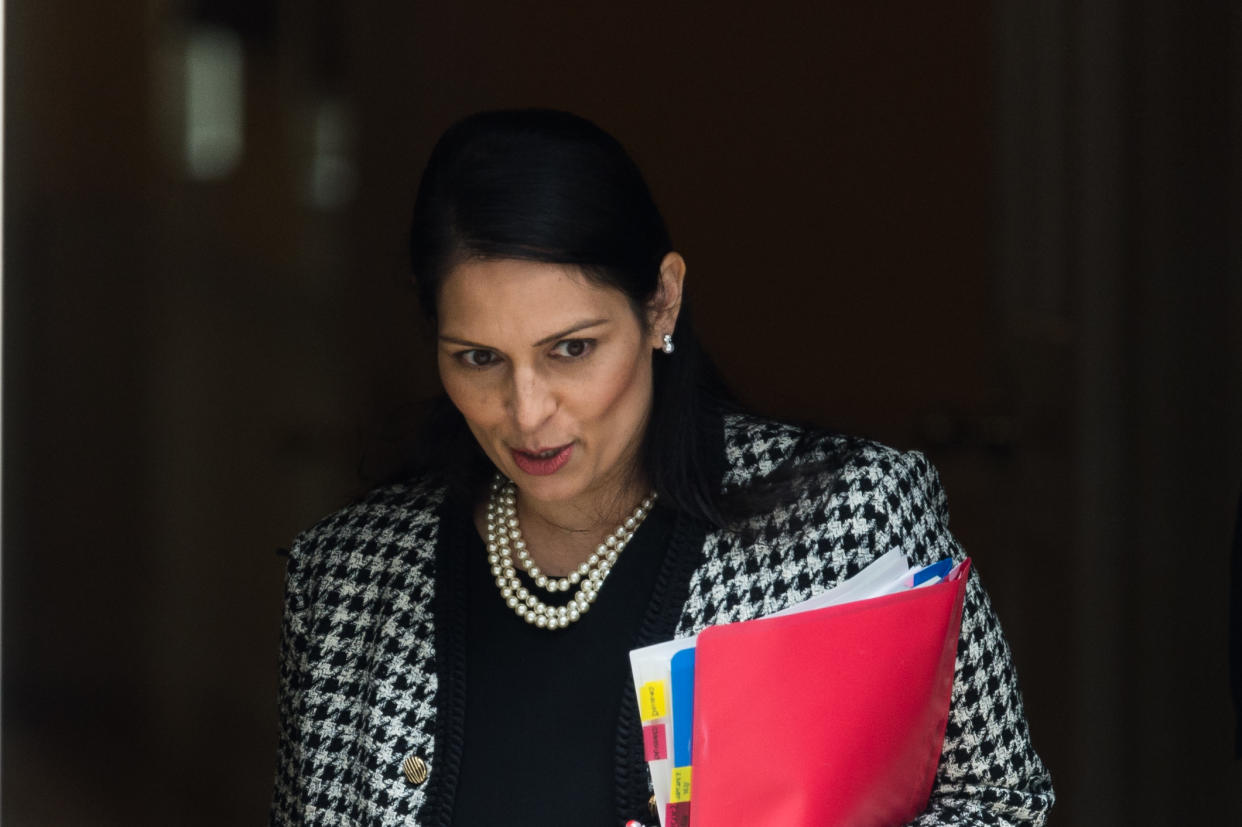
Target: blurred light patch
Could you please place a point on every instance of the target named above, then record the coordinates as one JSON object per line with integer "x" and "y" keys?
{"x": 333, "y": 177}
{"x": 213, "y": 102}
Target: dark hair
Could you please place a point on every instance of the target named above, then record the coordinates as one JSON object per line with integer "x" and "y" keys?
{"x": 549, "y": 186}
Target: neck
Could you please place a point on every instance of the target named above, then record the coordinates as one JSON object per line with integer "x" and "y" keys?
{"x": 562, "y": 535}
{"x": 592, "y": 513}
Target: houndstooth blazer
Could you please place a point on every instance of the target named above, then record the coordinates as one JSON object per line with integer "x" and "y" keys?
{"x": 372, "y": 672}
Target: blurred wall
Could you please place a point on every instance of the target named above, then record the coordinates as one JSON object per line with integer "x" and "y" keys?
{"x": 1005, "y": 234}
{"x": 1119, "y": 186}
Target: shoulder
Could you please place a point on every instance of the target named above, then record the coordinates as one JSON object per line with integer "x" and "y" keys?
{"x": 838, "y": 503}
{"x": 388, "y": 523}
{"x": 831, "y": 494}
{"x": 757, "y": 449}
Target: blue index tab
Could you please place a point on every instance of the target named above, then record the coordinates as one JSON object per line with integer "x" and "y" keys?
{"x": 681, "y": 668}
{"x": 938, "y": 570}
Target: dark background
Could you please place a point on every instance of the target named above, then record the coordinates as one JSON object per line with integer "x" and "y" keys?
{"x": 1008, "y": 234}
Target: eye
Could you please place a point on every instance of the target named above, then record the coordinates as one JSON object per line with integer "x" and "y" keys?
{"x": 477, "y": 358}
{"x": 573, "y": 348}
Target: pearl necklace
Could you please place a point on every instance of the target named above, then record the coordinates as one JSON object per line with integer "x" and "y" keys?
{"x": 504, "y": 541}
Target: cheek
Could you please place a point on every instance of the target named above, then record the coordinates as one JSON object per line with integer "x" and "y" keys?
{"x": 472, "y": 398}
{"x": 479, "y": 408}
{"x": 621, "y": 398}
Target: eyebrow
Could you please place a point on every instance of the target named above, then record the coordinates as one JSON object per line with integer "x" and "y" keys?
{"x": 584, "y": 325}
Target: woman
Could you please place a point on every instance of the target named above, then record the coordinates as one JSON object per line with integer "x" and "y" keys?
{"x": 454, "y": 649}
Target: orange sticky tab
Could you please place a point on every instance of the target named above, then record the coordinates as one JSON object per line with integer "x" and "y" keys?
{"x": 651, "y": 700}
{"x": 681, "y": 785}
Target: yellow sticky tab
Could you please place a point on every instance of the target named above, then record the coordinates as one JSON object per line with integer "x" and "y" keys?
{"x": 651, "y": 700}
{"x": 681, "y": 785}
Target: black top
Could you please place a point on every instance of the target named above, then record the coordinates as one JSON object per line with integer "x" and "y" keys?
{"x": 542, "y": 707}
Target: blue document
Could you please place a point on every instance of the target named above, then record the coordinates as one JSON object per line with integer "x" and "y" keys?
{"x": 682, "y": 690}
{"x": 938, "y": 570}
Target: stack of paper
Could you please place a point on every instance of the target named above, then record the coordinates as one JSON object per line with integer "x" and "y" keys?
{"x": 829, "y": 712}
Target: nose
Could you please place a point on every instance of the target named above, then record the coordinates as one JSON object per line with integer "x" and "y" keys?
{"x": 532, "y": 402}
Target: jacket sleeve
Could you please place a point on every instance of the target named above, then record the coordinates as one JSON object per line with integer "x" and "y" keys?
{"x": 287, "y": 802}
{"x": 989, "y": 772}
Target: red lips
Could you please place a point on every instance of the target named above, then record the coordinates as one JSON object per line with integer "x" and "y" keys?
{"x": 541, "y": 466}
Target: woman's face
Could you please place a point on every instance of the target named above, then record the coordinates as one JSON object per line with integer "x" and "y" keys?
{"x": 551, "y": 372}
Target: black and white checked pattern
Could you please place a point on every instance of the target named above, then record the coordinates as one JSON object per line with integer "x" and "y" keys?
{"x": 359, "y": 668}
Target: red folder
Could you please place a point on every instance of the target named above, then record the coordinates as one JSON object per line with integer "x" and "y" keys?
{"x": 834, "y": 716}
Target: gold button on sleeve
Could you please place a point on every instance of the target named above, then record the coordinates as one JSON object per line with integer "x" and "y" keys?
{"x": 415, "y": 769}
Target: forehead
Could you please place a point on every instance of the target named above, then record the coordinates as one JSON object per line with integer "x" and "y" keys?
{"x": 514, "y": 298}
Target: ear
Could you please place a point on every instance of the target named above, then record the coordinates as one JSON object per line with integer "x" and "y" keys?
{"x": 666, "y": 303}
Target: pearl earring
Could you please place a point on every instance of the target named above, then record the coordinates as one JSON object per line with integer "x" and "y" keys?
{"x": 668, "y": 343}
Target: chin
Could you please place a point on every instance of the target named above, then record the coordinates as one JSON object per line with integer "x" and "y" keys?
{"x": 552, "y": 488}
